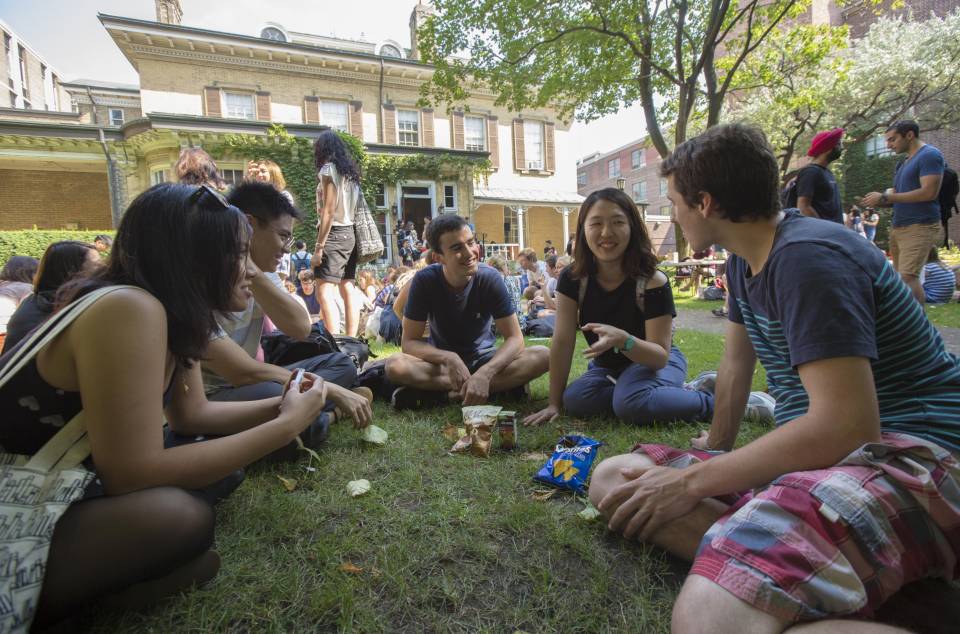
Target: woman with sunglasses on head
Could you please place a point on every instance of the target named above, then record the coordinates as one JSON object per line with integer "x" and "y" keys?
{"x": 624, "y": 305}
{"x": 143, "y": 531}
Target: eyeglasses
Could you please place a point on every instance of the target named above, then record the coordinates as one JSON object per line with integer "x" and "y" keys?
{"x": 207, "y": 191}
{"x": 287, "y": 240}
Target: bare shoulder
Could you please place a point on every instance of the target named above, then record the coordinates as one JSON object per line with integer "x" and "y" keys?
{"x": 123, "y": 308}
{"x": 657, "y": 280}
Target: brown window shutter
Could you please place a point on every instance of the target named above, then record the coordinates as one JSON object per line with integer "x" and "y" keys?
{"x": 493, "y": 141}
{"x": 519, "y": 157}
{"x": 211, "y": 101}
{"x": 263, "y": 106}
{"x": 426, "y": 119}
{"x": 311, "y": 110}
{"x": 356, "y": 119}
{"x": 389, "y": 125}
{"x": 457, "y": 121}
{"x": 549, "y": 153}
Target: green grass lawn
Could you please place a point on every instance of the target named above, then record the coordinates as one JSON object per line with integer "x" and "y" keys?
{"x": 944, "y": 314}
{"x": 445, "y": 543}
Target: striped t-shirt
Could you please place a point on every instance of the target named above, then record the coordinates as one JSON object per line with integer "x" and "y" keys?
{"x": 938, "y": 283}
{"x": 824, "y": 293}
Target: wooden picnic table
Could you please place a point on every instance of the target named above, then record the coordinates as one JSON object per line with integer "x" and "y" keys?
{"x": 699, "y": 265}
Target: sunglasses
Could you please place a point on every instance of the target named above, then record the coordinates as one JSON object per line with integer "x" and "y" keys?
{"x": 205, "y": 191}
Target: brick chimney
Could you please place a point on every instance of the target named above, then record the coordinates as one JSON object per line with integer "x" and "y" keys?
{"x": 420, "y": 13}
{"x": 169, "y": 11}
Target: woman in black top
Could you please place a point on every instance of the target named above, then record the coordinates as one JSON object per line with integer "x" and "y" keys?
{"x": 626, "y": 315}
{"x": 130, "y": 360}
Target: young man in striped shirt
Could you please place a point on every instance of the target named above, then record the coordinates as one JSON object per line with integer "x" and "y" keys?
{"x": 855, "y": 492}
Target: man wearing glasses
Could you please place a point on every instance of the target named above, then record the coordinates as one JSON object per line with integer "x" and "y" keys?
{"x": 231, "y": 371}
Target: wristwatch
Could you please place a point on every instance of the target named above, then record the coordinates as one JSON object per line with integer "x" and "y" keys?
{"x": 628, "y": 345}
{"x": 884, "y": 199}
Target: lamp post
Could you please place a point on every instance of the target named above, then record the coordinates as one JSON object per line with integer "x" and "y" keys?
{"x": 621, "y": 183}
{"x": 643, "y": 204}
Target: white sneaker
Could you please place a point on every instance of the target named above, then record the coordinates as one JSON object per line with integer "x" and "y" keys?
{"x": 703, "y": 382}
{"x": 760, "y": 407}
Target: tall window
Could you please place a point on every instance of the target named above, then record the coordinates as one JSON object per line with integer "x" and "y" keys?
{"x": 663, "y": 187}
{"x": 533, "y": 144}
{"x": 380, "y": 197}
{"x": 613, "y": 168}
{"x": 638, "y": 159}
{"x": 475, "y": 133}
{"x": 116, "y": 116}
{"x": 334, "y": 114}
{"x": 239, "y": 105}
{"x": 639, "y": 191}
{"x": 43, "y": 85}
{"x": 877, "y": 146}
{"x": 511, "y": 227}
{"x": 23, "y": 75}
{"x": 408, "y": 127}
{"x": 7, "y": 43}
{"x": 581, "y": 178}
{"x": 157, "y": 177}
{"x": 449, "y": 197}
{"x": 56, "y": 97}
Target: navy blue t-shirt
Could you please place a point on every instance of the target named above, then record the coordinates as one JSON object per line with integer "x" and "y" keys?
{"x": 459, "y": 321}
{"x": 819, "y": 185}
{"x": 926, "y": 162}
{"x": 825, "y": 292}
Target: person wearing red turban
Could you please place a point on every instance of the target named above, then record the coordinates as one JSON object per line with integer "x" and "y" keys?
{"x": 815, "y": 191}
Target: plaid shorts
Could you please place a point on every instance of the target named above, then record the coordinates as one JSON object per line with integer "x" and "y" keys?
{"x": 838, "y": 541}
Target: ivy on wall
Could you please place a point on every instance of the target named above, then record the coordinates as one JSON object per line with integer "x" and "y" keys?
{"x": 294, "y": 155}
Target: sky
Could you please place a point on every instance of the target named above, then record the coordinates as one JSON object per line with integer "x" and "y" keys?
{"x": 69, "y": 36}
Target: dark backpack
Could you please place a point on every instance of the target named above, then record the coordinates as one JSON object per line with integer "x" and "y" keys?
{"x": 949, "y": 188}
{"x": 281, "y": 349}
{"x": 299, "y": 264}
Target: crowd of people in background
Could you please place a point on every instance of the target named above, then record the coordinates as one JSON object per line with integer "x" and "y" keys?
{"x": 199, "y": 276}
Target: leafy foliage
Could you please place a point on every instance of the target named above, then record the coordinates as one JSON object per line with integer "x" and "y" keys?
{"x": 902, "y": 67}
{"x": 35, "y": 242}
{"x": 294, "y": 155}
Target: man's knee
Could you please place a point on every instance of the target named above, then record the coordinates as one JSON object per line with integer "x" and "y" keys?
{"x": 633, "y": 407}
{"x": 398, "y": 367}
{"x": 335, "y": 367}
{"x": 539, "y": 358}
{"x": 607, "y": 474}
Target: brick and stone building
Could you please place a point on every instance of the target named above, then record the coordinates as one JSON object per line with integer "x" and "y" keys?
{"x": 197, "y": 85}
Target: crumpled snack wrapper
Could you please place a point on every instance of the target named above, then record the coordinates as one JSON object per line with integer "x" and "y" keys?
{"x": 479, "y": 421}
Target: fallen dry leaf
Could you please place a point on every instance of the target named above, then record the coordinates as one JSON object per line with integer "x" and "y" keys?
{"x": 350, "y": 569}
{"x": 290, "y": 484}
{"x": 358, "y": 487}
{"x": 589, "y": 513}
{"x": 313, "y": 454}
{"x": 535, "y": 456}
{"x": 375, "y": 435}
{"x": 543, "y": 494}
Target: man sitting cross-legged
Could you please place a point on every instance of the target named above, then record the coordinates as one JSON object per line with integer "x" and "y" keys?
{"x": 461, "y": 297}
{"x": 855, "y": 492}
{"x": 231, "y": 371}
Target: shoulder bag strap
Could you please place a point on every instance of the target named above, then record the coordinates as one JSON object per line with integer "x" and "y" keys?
{"x": 68, "y": 447}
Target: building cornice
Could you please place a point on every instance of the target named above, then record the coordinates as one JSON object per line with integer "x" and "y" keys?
{"x": 58, "y": 130}
{"x": 170, "y": 31}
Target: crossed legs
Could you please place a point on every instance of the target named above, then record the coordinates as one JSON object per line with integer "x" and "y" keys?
{"x": 404, "y": 369}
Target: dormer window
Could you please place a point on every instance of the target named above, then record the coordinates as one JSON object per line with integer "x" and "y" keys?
{"x": 390, "y": 50}
{"x": 273, "y": 33}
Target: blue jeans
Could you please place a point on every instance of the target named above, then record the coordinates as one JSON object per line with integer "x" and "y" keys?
{"x": 640, "y": 396}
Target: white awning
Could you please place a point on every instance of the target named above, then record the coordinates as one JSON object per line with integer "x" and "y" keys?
{"x": 525, "y": 197}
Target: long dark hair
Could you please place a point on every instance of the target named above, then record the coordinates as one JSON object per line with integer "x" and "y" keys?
{"x": 330, "y": 148}
{"x": 638, "y": 259}
{"x": 188, "y": 254}
{"x": 60, "y": 262}
{"x": 19, "y": 268}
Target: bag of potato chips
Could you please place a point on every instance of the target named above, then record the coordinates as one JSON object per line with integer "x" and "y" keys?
{"x": 570, "y": 463}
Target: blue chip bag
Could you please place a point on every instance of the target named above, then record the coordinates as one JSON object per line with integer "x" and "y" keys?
{"x": 570, "y": 463}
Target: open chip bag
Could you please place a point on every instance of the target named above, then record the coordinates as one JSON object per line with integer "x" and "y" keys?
{"x": 569, "y": 466}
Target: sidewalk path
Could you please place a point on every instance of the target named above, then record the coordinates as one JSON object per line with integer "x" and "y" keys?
{"x": 705, "y": 321}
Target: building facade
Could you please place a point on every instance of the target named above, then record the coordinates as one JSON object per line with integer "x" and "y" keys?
{"x": 197, "y": 85}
